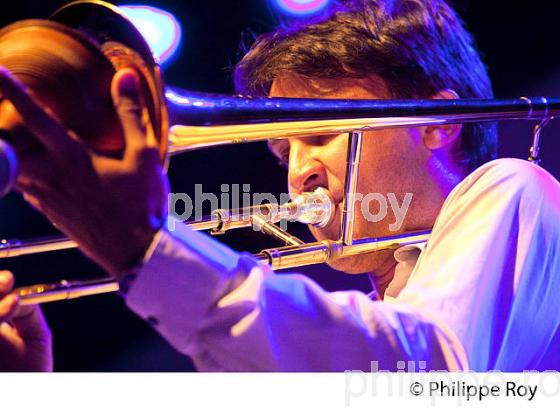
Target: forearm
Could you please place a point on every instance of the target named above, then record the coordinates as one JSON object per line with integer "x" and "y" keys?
{"x": 229, "y": 313}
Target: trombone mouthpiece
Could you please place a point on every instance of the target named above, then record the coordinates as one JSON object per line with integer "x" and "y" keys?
{"x": 8, "y": 168}
{"x": 314, "y": 208}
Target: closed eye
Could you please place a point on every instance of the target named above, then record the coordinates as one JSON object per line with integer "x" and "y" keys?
{"x": 320, "y": 140}
{"x": 280, "y": 147}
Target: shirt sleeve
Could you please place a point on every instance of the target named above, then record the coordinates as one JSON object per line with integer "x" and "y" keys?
{"x": 490, "y": 271}
{"x": 229, "y": 313}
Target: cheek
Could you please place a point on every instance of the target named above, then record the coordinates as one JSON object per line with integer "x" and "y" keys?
{"x": 383, "y": 147}
{"x": 377, "y": 162}
{"x": 388, "y": 157}
{"x": 334, "y": 159}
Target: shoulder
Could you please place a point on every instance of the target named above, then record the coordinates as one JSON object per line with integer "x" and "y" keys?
{"x": 506, "y": 190}
{"x": 509, "y": 178}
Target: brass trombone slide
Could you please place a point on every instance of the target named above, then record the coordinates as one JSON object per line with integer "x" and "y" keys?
{"x": 204, "y": 120}
{"x": 218, "y": 120}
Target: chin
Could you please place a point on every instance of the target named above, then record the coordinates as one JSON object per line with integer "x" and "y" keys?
{"x": 376, "y": 263}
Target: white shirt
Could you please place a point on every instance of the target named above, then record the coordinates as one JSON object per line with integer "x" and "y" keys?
{"x": 482, "y": 295}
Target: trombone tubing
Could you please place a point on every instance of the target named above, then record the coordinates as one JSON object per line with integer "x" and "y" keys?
{"x": 278, "y": 258}
{"x": 11, "y": 248}
{"x": 353, "y": 155}
{"x": 205, "y": 120}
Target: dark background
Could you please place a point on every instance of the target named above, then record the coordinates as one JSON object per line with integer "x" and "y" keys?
{"x": 520, "y": 44}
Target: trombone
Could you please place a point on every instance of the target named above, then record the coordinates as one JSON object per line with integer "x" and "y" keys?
{"x": 204, "y": 120}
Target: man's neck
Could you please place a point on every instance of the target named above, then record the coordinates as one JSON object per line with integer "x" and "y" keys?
{"x": 381, "y": 280}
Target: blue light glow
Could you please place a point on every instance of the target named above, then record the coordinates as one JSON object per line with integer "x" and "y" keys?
{"x": 300, "y": 7}
{"x": 160, "y": 29}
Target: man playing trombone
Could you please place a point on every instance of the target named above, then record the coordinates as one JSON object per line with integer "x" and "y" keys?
{"x": 480, "y": 295}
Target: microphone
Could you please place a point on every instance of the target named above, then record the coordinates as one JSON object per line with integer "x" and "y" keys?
{"x": 8, "y": 168}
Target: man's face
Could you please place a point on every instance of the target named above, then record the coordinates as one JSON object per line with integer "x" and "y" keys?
{"x": 395, "y": 164}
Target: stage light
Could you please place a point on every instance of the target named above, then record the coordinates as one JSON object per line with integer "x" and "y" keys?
{"x": 300, "y": 7}
{"x": 160, "y": 29}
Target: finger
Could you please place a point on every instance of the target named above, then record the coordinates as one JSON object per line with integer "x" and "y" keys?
{"x": 43, "y": 200}
{"x": 127, "y": 97}
{"x": 6, "y": 282}
{"x": 33, "y": 329}
{"x": 45, "y": 127}
{"x": 8, "y": 307}
{"x": 30, "y": 322}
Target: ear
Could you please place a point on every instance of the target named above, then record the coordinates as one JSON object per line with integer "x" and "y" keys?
{"x": 439, "y": 136}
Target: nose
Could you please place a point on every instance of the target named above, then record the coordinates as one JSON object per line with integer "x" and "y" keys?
{"x": 306, "y": 171}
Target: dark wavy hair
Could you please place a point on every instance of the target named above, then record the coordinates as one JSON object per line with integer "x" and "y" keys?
{"x": 418, "y": 47}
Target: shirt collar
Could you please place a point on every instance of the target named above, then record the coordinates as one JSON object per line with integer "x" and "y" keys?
{"x": 406, "y": 257}
{"x": 409, "y": 253}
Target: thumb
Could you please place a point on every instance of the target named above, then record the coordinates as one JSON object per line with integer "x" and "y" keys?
{"x": 34, "y": 331}
{"x": 31, "y": 323}
{"x": 128, "y": 101}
